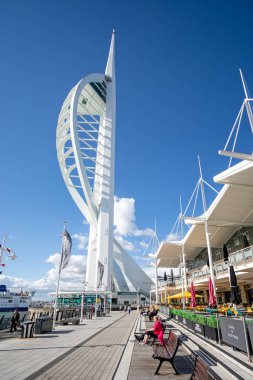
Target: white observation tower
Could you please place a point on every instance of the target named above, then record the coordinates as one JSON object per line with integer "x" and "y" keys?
{"x": 85, "y": 141}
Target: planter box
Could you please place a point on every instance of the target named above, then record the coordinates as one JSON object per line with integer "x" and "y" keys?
{"x": 189, "y": 324}
{"x": 250, "y": 330}
{"x": 199, "y": 329}
{"x": 180, "y": 319}
{"x": 211, "y": 333}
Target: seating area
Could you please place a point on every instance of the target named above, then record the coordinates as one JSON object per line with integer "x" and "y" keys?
{"x": 73, "y": 321}
{"x": 174, "y": 362}
{"x": 166, "y": 352}
{"x": 202, "y": 371}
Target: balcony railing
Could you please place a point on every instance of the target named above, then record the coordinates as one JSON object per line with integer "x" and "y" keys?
{"x": 238, "y": 259}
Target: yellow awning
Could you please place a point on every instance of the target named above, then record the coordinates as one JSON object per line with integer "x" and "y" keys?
{"x": 186, "y": 295}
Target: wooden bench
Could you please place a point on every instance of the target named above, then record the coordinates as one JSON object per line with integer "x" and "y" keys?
{"x": 166, "y": 352}
{"x": 202, "y": 371}
{"x": 74, "y": 321}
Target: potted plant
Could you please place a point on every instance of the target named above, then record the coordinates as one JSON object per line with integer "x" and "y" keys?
{"x": 199, "y": 325}
{"x": 249, "y": 323}
{"x": 211, "y": 329}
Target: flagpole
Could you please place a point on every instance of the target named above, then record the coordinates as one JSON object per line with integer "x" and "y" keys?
{"x": 84, "y": 283}
{"x": 96, "y": 301}
{"x": 56, "y": 298}
{"x": 65, "y": 257}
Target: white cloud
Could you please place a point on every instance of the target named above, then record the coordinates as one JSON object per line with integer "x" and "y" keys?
{"x": 126, "y": 244}
{"x": 143, "y": 244}
{"x": 127, "y": 233}
{"x": 173, "y": 237}
{"x": 82, "y": 241}
{"x": 125, "y": 227}
{"x": 124, "y": 216}
{"x": 71, "y": 277}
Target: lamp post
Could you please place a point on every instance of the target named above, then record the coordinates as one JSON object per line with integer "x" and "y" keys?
{"x": 84, "y": 283}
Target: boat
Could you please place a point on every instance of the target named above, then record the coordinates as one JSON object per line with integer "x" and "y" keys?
{"x": 10, "y": 301}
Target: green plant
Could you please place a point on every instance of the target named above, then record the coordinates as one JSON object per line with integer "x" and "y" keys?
{"x": 201, "y": 320}
{"x": 212, "y": 321}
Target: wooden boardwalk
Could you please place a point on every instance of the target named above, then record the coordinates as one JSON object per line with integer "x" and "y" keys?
{"x": 143, "y": 366}
{"x": 96, "y": 359}
{"x": 87, "y": 351}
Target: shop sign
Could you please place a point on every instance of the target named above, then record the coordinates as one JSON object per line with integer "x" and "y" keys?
{"x": 232, "y": 333}
{"x": 128, "y": 293}
{"x": 199, "y": 328}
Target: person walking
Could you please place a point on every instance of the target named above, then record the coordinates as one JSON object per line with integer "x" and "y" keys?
{"x": 125, "y": 308}
{"x": 91, "y": 311}
{"x": 14, "y": 320}
{"x": 129, "y": 309}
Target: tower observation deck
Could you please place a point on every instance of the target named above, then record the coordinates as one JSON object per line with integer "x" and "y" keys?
{"x": 85, "y": 142}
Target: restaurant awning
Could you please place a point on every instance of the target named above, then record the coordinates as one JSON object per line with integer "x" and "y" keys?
{"x": 232, "y": 208}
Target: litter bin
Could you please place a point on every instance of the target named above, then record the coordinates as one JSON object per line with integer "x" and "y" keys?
{"x": 27, "y": 329}
{"x": 43, "y": 325}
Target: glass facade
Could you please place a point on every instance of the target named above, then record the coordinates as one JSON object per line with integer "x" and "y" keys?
{"x": 238, "y": 240}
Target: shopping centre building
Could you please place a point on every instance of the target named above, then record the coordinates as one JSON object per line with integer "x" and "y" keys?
{"x": 230, "y": 227}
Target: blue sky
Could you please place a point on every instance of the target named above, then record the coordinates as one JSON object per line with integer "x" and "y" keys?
{"x": 178, "y": 93}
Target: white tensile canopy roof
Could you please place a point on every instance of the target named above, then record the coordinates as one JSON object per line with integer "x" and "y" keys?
{"x": 231, "y": 209}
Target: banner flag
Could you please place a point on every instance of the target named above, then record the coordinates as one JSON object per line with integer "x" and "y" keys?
{"x": 65, "y": 250}
{"x": 112, "y": 285}
{"x": 100, "y": 274}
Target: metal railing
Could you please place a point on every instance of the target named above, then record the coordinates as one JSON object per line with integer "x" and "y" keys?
{"x": 237, "y": 259}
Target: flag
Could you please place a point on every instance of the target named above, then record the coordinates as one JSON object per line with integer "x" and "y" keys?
{"x": 65, "y": 249}
{"x": 112, "y": 285}
{"x": 212, "y": 298}
{"x": 13, "y": 256}
{"x": 3, "y": 265}
{"x": 100, "y": 274}
{"x": 9, "y": 250}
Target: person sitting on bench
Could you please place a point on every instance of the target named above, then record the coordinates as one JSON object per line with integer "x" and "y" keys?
{"x": 152, "y": 313}
{"x": 155, "y": 332}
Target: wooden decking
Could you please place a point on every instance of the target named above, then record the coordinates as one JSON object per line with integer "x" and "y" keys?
{"x": 96, "y": 359}
{"x": 143, "y": 366}
{"x": 91, "y": 350}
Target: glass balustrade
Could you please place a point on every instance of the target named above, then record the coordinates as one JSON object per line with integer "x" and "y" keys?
{"x": 238, "y": 258}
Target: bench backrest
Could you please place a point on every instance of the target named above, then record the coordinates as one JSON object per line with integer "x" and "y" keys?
{"x": 172, "y": 343}
{"x": 202, "y": 370}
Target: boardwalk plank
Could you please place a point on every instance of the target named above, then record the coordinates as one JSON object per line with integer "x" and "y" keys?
{"x": 96, "y": 359}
